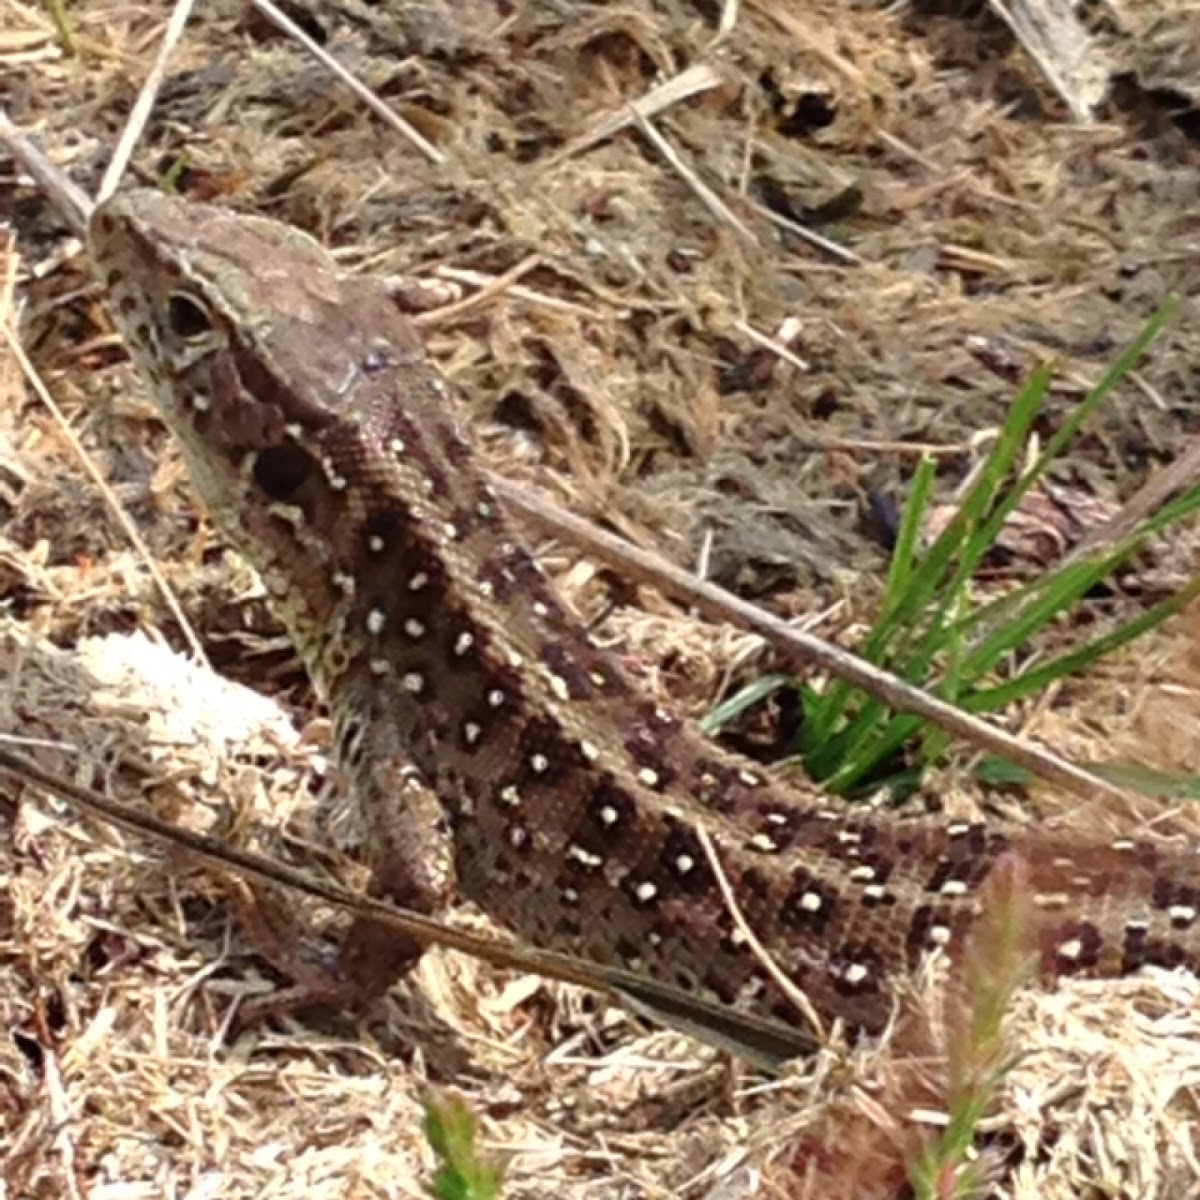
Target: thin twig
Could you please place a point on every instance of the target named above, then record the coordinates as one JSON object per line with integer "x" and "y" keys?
{"x": 761, "y": 1039}
{"x": 494, "y": 286}
{"x": 700, "y": 77}
{"x": 714, "y": 602}
{"x": 704, "y": 193}
{"x": 360, "y": 89}
{"x": 114, "y": 506}
{"x": 147, "y": 95}
{"x": 760, "y": 952}
{"x": 482, "y": 280}
{"x": 71, "y": 201}
{"x": 832, "y": 248}
{"x": 769, "y": 343}
{"x": 875, "y": 448}
{"x": 729, "y": 17}
{"x": 1177, "y": 476}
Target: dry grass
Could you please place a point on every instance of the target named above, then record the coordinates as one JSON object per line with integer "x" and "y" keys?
{"x": 626, "y": 365}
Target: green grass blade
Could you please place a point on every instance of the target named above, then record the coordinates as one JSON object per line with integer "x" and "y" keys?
{"x": 970, "y": 544}
{"x": 1071, "y": 583}
{"x": 892, "y": 736}
{"x": 753, "y": 693}
{"x": 886, "y": 740}
{"x": 908, "y": 537}
{"x": 1080, "y": 413}
{"x": 999, "y": 609}
{"x": 992, "y": 527}
{"x": 958, "y": 542}
{"x": 1119, "y": 369}
{"x": 921, "y": 619}
{"x": 901, "y": 612}
{"x": 1085, "y": 656}
{"x": 1164, "y": 785}
{"x": 830, "y": 709}
{"x": 62, "y": 24}
{"x": 462, "y": 1174}
{"x": 1052, "y": 595}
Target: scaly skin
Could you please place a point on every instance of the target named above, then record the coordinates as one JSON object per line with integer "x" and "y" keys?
{"x": 547, "y": 788}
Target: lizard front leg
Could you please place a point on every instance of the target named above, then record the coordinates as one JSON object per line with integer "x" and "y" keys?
{"x": 412, "y": 866}
{"x": 409, "y": 850}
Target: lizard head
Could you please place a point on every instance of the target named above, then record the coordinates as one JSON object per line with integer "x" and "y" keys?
{"x": 320, "y": 441}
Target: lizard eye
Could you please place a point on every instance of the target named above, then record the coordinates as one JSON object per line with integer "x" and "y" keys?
{"x": 280, "y": 470}
{"x": 188, "y": 318}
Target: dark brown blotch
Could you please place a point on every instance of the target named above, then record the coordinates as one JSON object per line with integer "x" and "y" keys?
{"x": 398, "y": 437}
{"x": 663, "y": 722}
{"x": 919, "y": 938}
{"x": 881, "y": 865}
{"x": 809, "y": 905}
{"x": 548, "y": 756}
{"x": 399, "y": 571}
{"x": 561, "y": 662}
{"x": 627, "y": 949}
{"x": 753, "y": 883}
{"x": 1169, "y": 955}
{"x": 610, "y": 817}
{"x": 777, "y": 827}
{"x": 1086, "y": 942}
{"x": 857, "y": 970}
{"x": 567, "y": 925}
{"x": 720, "y": 982}
{"x": 944, "y": 872}
{"x": 501, "y": 691}
{"x": 1167, "y": 893}
{"x": 720, "y": 787}
{"x": 510, "y": 570}
{"x": 646, "y": 750}
{"x": 683, "y": 862}
{"x": 1136, "y": 949}
{"x": 384, "y": 529}
{"x": 466, "y": 522}
{"x": 975, "y": 852}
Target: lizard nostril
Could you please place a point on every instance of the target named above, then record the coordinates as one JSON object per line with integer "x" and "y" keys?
{"x": 280, "y": 470}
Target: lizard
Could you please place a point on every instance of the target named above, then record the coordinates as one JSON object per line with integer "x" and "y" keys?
{"x": 494, "y": 750}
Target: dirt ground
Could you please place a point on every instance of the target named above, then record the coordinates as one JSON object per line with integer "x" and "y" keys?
{"x": 837, "y": 235}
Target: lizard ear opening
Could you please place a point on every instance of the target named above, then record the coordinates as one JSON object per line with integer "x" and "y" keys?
{"x": 187, "y": 317}
{"x": 281, "y": 470}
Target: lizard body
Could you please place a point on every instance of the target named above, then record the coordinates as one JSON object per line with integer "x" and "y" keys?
{"x": 493, "y": 748}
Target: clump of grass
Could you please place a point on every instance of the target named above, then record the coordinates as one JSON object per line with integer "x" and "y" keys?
{"x": 928, "y": 632}
{"x": 462, "y": 1174}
